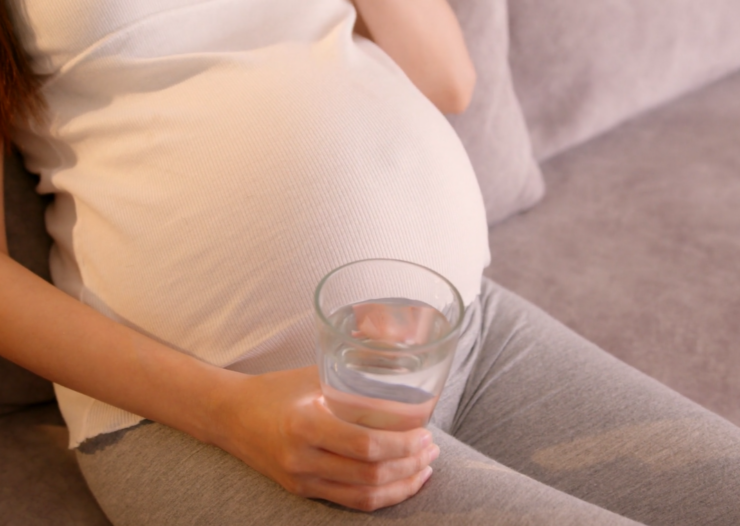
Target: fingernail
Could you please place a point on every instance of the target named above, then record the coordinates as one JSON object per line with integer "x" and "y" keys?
{"x": 434, "y": 454}
{"x": 426, "y": 474}
{"x": 426, "y": 439}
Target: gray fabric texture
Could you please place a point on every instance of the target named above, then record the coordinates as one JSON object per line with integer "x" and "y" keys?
{"x": 492, "y": 129}
{"x": 28, "y": 243}
{"x": 581, "y": 67}
{"x": 577, "y": 426}
{"x": 40, "y": 482}
{"x": 637, "y": 245}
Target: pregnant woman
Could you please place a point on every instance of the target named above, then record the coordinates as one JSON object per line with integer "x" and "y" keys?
{"x": 211, "y": 160}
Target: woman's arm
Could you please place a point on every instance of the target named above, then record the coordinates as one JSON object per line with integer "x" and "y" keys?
{"x": 59, "y": 338}
{"x": 425, "y": 40}
{"x": 276, "y": 422}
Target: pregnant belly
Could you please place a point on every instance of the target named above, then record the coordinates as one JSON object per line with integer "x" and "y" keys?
{"x": 225, "y": 198}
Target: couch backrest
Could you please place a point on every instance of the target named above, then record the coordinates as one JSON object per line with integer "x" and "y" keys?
{"x": 582, "y": 66}
{"x": 29, "y": 244}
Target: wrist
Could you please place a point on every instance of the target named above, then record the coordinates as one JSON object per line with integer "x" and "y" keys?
{"x": 226, "y": 393}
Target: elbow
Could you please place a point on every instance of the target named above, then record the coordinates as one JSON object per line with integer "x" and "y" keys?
{"x": 458, "y": 93}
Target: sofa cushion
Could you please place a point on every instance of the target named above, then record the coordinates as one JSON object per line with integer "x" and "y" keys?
{"x": 580, "y": 67}
{"x": 28, "y": 244}
{"x": 637, "y": 245}
{"x": 492, "y": 128}
{"x": 40, "y": 482}
{"x": 19, "y": 387}
{"x": 28, "y": 241}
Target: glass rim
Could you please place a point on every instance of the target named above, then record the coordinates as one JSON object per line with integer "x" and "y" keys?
{"x": 411, "y": 348}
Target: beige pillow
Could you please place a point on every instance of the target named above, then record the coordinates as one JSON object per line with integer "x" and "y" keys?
{"x": 492, "y": 128}
{"x": 582, "y": 66}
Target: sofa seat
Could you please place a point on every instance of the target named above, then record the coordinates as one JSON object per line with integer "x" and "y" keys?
{"x": 636, "y": 245}
{"x": 40, "y": 483}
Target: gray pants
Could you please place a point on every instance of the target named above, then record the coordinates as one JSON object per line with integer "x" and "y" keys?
{"x": 536, "y": 426}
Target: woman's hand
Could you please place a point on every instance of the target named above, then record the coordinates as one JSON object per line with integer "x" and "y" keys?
{"x": 424, "y": 38}
{"x": 278, "y": 424}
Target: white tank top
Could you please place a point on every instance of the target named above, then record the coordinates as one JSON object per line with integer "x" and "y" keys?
{"x": 213, "y": 159}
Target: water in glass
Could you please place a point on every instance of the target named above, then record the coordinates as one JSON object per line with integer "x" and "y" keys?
{"x": 388, "y": 385}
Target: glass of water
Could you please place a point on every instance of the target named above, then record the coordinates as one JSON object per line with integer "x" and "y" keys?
{"x": 386, "y": 334}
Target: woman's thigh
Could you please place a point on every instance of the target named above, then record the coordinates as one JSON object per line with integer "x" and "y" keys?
{"x": 151, "y": 474}
{"x": 547, "y": 403}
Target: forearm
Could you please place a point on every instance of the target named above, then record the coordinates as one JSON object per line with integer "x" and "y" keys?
{"x": 424, "y": 38}
{"x": 59, "y": 338}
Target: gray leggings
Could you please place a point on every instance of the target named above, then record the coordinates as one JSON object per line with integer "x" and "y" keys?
{"x": 536, "y": 426}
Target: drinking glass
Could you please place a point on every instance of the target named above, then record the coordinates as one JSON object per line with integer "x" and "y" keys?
{"x": 386, "y": 334}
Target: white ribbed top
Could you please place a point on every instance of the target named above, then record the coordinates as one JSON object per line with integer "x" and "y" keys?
{"x": 214, "y": 159}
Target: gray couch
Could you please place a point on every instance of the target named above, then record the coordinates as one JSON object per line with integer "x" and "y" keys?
{"x": 636, "y": 245}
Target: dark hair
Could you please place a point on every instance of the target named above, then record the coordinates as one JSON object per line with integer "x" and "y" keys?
{"x": 19, "y": 87}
